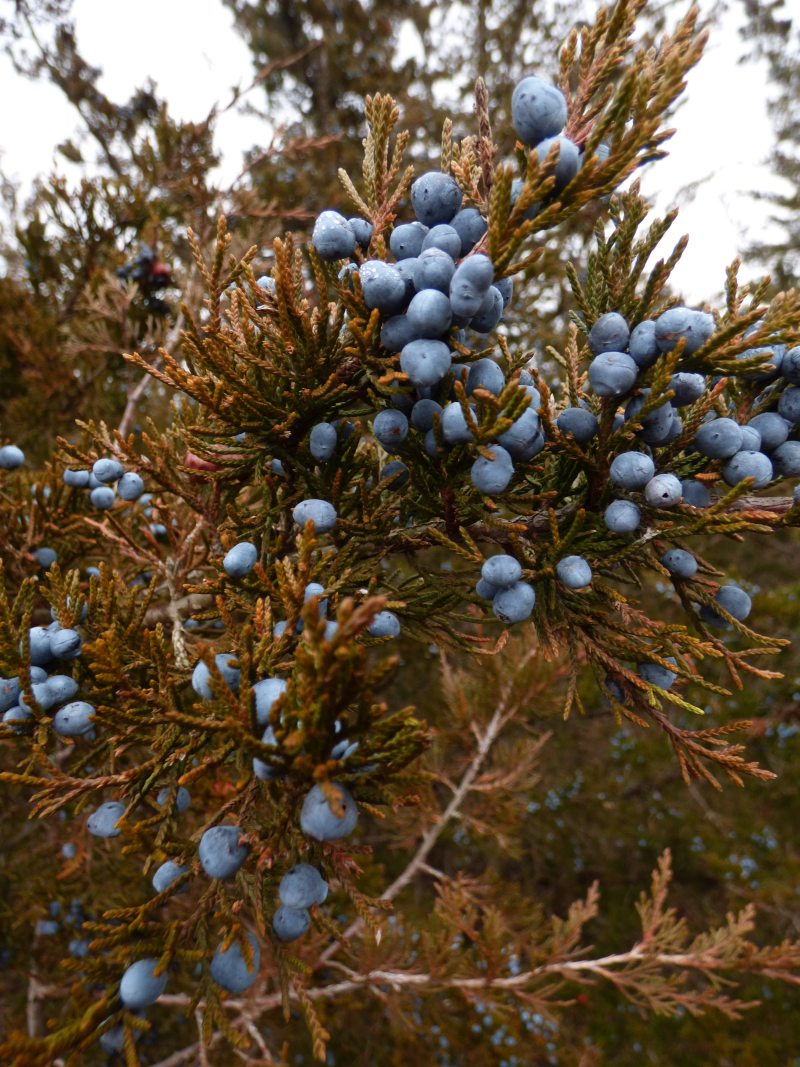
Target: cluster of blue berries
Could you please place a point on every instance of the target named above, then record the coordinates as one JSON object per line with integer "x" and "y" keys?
{"x": 50, "y": 648}
{"x": 100, "y": 482}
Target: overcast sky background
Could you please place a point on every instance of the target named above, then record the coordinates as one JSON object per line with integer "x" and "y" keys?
{"x": 724, "y": 132}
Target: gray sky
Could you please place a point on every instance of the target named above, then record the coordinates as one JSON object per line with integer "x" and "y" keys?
{"x": 134, "y": 41}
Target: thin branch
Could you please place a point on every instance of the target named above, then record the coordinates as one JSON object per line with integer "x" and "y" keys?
{"x": 418, "y": 862}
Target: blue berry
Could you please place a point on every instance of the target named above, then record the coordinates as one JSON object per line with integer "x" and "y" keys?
{"x": 264, "y": 771}
{"x": 492, "y": 476}
{"x": 485, "y": 374}
{"x": 140, "y": 986}
{"x": 469, "y": 285}
{"x": 622, "y": 516}
{"x": 429, "y": 314}
{"x": 772, "y": 428}
{"x": 266, "y": 693}
{"x": 568, "y": 160}
{"x": 632, "y": 470}
{"x": 486, "y": 590}
{"x": 610, "y": 333}
{"x": 322, "y": 442}
{"x": 751, "y": 439}
{"x": 445, "y": 237}
{"x": 538, "y": 110}
{"x": 786, "y": 459}
{"x": 333, "y": 237}
{"x": 642, "y": 345}
{"x": 395, "y": 473}
{"x": 695, "y": 493}
{"x": 477, "y": 270}
{"x": 314, "y": 589}
{"x": 501, "y": 571}
{"x": 505, "y": 287}
{"x": 11, "y": 457}
{"x": 303, "y": 886}
{"x": 435, "y": 198}
{"x": 489, "y": 313}
{"x": 382, "y": 286}
{"x": 687, "y": 388}
{"x": 102, "y": 497}
{"x": 743, "y": 465}
{"x": 39, "y": 646}
{"x": 17, "y": 719}
{"x": 74, "y": 720}
{"x": 425, "y": 362}
{"x": 657, "y": 675}
{"x": 107, "y": 470}
{"x": 398, "y": 331}
{"x": 514, "y": 604}
{"x": 772, "y": 366}
{"x": 790, "y": 366}
{"x": 201, "y": 676}
{"x": 60, "y": 687}
{"x": 130, "y": 486}
{"x": 363, "y": 231}
{"x": 167, "y": 874}
{"x": 76, "y": 479}
{"x": 240, "y": 559}
{"x": 657, "y": 425}
{"x": 574, "y": 572}
{"x": 789, "y": 404}
{"x": 113, "y": 1039}
{"x": 680, "y": 563}
{"x": 422, "y": 414}
{"x": 579, "y": 423}
{"x": 533, "y": 209}
{"x": 45, "y": 557}
{"x": 181, "y": 802}
{"x": 385, "y": 624}
{"x": 455, "y": 429}
{"x": 663, "y": 491}
{"x": 612, "y": 373}
{"x": 290, "y": 923}
{"x": 221, "y": 855}
{"x": 695, "y": 327}
{"x": 320, "y": 513}
{"x": 391, "y": 429}
{"x": 230, "y": 970}
{"x": 9, "y": 691}
{"x": 406, "y": 240}
{"x": 522, "y": 437}
{"x": 734, "y": 600}
{"x": 470, "y": 226}
{"x": 433, "y": 269}
{"x": 718, "y": 439}
{"x": 319, "y": 821}
{"x": 103, "y": 821}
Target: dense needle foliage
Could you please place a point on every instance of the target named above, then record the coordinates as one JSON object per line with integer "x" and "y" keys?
{"x": 507, "y": 780}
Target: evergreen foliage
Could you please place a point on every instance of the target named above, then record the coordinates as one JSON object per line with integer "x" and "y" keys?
{"x": 233, "y": 630}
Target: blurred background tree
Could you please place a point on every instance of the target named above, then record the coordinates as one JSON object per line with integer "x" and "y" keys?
{"x": 772, "y": 33}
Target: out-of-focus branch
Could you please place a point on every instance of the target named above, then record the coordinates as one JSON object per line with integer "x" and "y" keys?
{"x": 143, "y": 385}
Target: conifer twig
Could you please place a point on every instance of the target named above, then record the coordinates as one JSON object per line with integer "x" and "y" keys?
{"x": 501, "y": 717}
